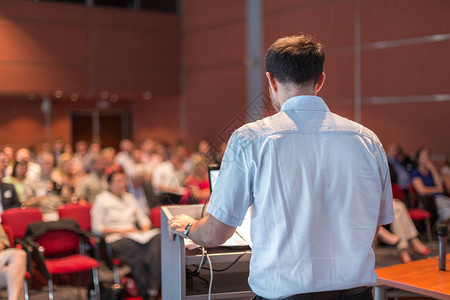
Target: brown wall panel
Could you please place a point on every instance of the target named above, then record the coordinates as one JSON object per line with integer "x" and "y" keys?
{"x": 385, "y": 20}
{"x": 201, "y": 14}
{"x": 331, "y": 23}
{"x": 413, "y": 125}
{"x": 217, "y": 46}
{"x": 421, "y": 69}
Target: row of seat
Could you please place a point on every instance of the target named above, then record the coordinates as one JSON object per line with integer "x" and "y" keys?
{"x": 46, "y": 249}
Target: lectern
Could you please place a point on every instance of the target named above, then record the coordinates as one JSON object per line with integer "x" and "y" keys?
{"x": 175, "y": 258}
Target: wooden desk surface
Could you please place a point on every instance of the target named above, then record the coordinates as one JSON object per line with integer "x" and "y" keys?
{"x": 421, "y": 277}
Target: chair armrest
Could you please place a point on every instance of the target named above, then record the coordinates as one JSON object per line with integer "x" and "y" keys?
{"x": 37, "y": 256}
{"x": 28, "y": 250}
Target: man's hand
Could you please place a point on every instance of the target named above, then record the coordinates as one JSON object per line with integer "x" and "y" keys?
{"x": 177, "y": 225}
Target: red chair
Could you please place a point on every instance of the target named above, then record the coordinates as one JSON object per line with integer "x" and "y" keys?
{"x": 57, "y": 252}
{"x": 80, "y": 213}
{"x": 416, "y": 214}
{"x": 155, "y": 217}
{"x": 9, "y": 232}
{"x": 19, "y": 218}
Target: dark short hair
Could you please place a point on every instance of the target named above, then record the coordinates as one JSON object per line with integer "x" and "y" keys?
{"x": 113, "y": 173}
{"x": 295, "y": 59}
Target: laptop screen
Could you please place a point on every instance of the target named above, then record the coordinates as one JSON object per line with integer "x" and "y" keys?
{"x": 213, "y": 173}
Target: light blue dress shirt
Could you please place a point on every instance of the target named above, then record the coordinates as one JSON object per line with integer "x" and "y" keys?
{"x": 320, "y": 185}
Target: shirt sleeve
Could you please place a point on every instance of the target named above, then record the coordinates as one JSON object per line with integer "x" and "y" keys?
{"x": 97, "y": 215}
{"x": 232, "y": 194}
{"x": 386, "y": 215}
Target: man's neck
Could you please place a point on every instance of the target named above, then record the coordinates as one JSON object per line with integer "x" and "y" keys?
{"x": 291, "y": 90}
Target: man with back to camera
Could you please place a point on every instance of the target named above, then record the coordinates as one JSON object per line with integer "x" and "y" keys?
{"x": 319, "y": 185}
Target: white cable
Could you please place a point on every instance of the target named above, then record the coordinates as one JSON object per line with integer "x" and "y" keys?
{"x": 211, "y": 276}
{"x": 201, "y": 261}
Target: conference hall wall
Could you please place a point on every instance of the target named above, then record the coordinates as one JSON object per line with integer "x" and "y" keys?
{"x": 85, "y": 52}
{"x": 404, "y": 64}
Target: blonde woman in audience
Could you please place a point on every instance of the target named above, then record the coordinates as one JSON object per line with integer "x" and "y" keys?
{"x": 197, "y": 182}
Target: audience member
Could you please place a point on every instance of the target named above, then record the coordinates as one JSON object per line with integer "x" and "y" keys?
{"x": 169, "y": 177}
{"x": 139, "y": 188}
{"x": 63, "y": 176}
{"x": 18, "y": 177}
{"x": 109, "y": 153}
{"x": 93, "y": 184}
{"x": 401, "y": 165}
{"x": 9, "y": 159}
{"x": 57, "y": 149}
{"x": 404, "y": 233}
{"x": 13, "y": 263}
{"x": 33, "y": 169}
{"x": 43, "y": 192}
{"x": 115, "y": 214}
{"x": 9, "y": 198}
{"x": 79, "y": 158}
{"x": 125, "y": 157}
{"x": 197, "y": 183}
{"x": 428, "y": 183}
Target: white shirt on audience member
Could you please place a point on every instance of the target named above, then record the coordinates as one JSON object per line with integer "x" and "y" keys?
{"x": 115, "y": 212}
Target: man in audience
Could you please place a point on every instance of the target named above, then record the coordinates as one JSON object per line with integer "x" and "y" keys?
{"x": 116, "y": 213}
{"x": 79, "y": 158}
{"x": 43, "y": 192}
{"x": 13, "y": 263}
{"x": 125, "y": 157}
{"x": 169, "y": 177}
{"x": 318, "y": 183}
{"x": 93, "y": 184}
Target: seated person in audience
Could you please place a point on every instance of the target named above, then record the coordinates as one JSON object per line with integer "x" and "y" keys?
{"x": 115, "y": 214}
{"x": 445, "y": 172}
{"x": 63, "y": 176}
{"x": 125, "y": 157}
{"x": 404, "y": 233}
{"x": 13, "y": 263}
{"x": 401, "y": 164}
{"x": 140, "y": 188}
{"x": 197, "y": 182}
{"x": 149, "y": 157}
{"x": 426, "y": 181}
{"x": 17, "y": 178}
{"x": 93, "y": 184}
{"x": 109, "y": 153}
{"x": 33, "y": 169}
{"x": 169, "y": 177}
{"x": 43, "y": 192}
{"x": 8, "y": 195}
{"x": 80, "y": 157}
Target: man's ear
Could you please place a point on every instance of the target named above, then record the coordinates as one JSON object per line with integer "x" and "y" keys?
{"x": 272, "y": 82}
{"x": 320, "y": 82}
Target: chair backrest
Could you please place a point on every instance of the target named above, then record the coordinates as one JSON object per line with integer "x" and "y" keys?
{"x": 80, "y": 213}
{"x": 397, "y": 192}
{"x": 19, "y": 218}
{"x": 155, "y": 217}
{"x": 59, "y": 242}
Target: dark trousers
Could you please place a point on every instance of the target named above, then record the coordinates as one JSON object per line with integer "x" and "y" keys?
{"x": 144, "y": 261}
{"x": 333, "y": 295}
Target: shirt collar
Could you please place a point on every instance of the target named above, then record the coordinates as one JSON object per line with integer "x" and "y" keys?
{"x": 307, "y": 103}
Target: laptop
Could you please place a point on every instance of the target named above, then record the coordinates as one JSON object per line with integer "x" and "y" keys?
{"x": 242, "y": 235}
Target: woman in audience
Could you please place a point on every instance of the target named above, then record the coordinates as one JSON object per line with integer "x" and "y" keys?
{"x": 17, "y": 178}
{"x": 197, "y": 182}
{"x": 64, "y": 177}
{"x": 426, "y": 181}
{"x": 404, "y": 233}
{"x": 12, "y": 268}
